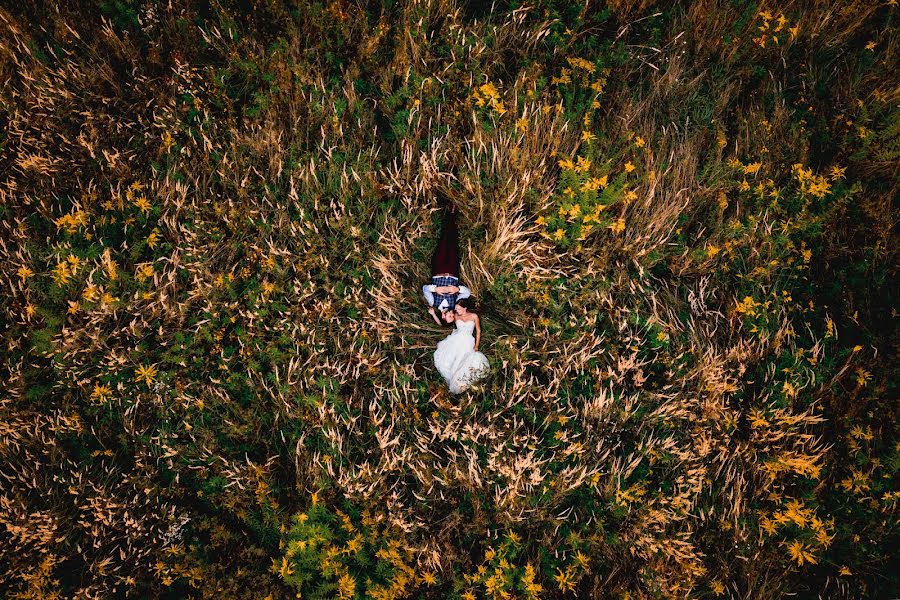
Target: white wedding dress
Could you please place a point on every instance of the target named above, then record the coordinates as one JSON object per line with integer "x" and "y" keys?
{"x": 458, "y": 361}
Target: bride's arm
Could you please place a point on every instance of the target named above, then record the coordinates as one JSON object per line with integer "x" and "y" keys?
{"x": 477, "y": 332}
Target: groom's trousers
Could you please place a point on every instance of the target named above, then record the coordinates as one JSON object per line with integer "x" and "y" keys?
{"x": 446, "y": 255}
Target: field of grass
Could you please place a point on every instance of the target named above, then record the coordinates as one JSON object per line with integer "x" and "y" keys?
{"x": 679, "y": 220}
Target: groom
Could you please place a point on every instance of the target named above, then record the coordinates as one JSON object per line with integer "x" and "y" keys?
{"x": 445, "y": 289}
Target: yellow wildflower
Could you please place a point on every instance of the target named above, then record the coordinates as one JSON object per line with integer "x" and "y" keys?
{"x": 489, "y": 90}
{"x": 142, "y": 204}
{"x": 800, "y": 553}
{"x": 581, "y": 559}
{"x": 100, "y": 393}
{"x": 146, "y": 374}
{"x": 582, "y": 64}
{"x": 562, "y": 79}
{"x": 61, "y": 273}
{"x": 862, "y": 376}
{"x": 346, "y": 587}
{"x": 90, "y": 292}
{"x": 564, "y": 580}
{"x": 144, "y": 272}
{"x": 153, "y": 238}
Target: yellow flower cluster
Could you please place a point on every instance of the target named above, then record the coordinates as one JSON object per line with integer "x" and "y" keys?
{"x": 776, "y": 33}
{"x": 595, "y": 183}
{"x": 582, "y": 69}
{"x": 580, "y": 199}
{"x": 564, "y": 77}
{"x": 66, "y": 269}
{"x": 140, "y": 202}
{"x": 72, "y": 221}
{"x": 580, "y": 63}
{"x": 810, "y": 183}
{"x": 566, "y": 579}
{"x": 800, "y": 552}
{"x": 750, "y": 307}
{"x": 531, "y": 588}
{"x": 101, "y": 393}
{"x": 817, "y": 531}
{"x": 581, "y": 166}
{"x": 857, "y": 483}
{"x": 488, "y": 95}
{"x": 630, "y": 495}
{"x": 498, "y": 575}
{"x": 145, "y": 373}
{"x": 24, "y": 273}
{"x": 143, "y": 272}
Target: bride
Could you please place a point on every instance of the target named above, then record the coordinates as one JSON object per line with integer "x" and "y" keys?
{"x": 457, "y": 357}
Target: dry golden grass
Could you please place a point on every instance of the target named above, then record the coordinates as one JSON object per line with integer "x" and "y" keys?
{"x": 213, "y": 243}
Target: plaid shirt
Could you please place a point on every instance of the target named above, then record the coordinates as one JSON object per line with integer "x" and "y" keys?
{"x": 436, "y": 299}
{"x": 450, "y": 298}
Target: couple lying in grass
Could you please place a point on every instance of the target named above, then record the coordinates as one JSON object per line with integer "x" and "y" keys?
{"x": 457, "y": 357}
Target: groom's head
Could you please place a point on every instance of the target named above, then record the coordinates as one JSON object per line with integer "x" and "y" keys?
{"x": 448, "y": 317}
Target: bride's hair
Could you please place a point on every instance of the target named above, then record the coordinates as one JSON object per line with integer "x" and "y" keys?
{"x": 468, "y": 303}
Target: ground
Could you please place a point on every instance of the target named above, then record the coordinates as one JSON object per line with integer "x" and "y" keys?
{"x": 679, "y": 222}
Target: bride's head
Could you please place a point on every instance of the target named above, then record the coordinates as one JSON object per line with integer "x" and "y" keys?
{"x": 466, "y": 305}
